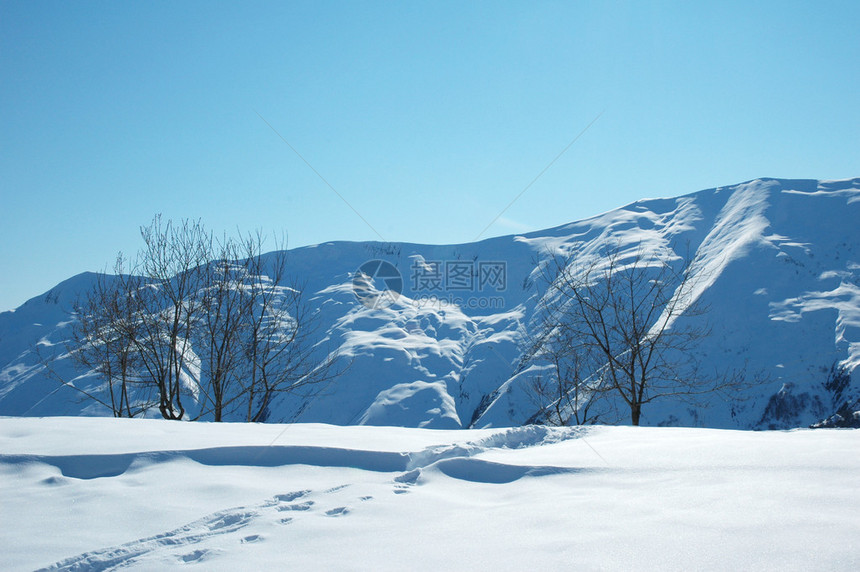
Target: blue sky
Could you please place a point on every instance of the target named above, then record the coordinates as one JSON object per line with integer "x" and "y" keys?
{"x": 427, "y": 117}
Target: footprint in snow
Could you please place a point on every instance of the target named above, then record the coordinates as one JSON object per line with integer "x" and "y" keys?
{"x": 287, "y": 497}
{"x": 403, "y": 482}
{"x": 196, "y": 556}
{"x": 219, "y": 523}
{"x": 229, "y": 521}
{"x": 298, "y": 506}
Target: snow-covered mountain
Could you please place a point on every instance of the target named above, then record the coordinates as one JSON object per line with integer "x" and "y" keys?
{"x": 778, "y": 266}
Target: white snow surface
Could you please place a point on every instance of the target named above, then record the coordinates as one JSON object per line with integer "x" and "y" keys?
{"x": 103, "y": 494}
{"x": 776, "y": 261}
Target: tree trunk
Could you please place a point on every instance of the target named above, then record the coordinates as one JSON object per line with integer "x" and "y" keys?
{"x": 635, "y": 411}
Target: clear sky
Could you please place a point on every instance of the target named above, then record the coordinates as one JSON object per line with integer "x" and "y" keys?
{"x": 427, "y": 117}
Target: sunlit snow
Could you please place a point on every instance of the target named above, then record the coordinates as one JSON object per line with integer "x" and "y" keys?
{"x": 96, "y": 494}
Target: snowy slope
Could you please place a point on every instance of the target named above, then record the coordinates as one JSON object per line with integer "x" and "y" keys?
{"x": 105, "y": 494}
{"x": 777, "y": 262}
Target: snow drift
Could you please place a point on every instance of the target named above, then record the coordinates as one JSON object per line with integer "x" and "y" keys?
{"x": 108, "y": 494}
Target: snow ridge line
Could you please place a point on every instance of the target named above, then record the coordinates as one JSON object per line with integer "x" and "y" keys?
{"x": 112, "y": 465}
{"x": 93, "y": 466}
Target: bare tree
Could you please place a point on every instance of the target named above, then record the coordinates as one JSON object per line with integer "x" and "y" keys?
{"x": 612, "y": 323}
{"x": 565, "y": 392}
{"x": 199, "y": 318}
{"x": 281, "y": 333}
{"x": 103, "y": 338}
{"x": 172, "y": 265}
{"x": 220, "y": 328}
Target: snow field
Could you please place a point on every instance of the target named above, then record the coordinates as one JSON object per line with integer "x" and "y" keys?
{"x": 96, "y": 494}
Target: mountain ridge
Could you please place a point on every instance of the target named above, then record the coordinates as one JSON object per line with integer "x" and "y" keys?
{"x": 780, "y": 261}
